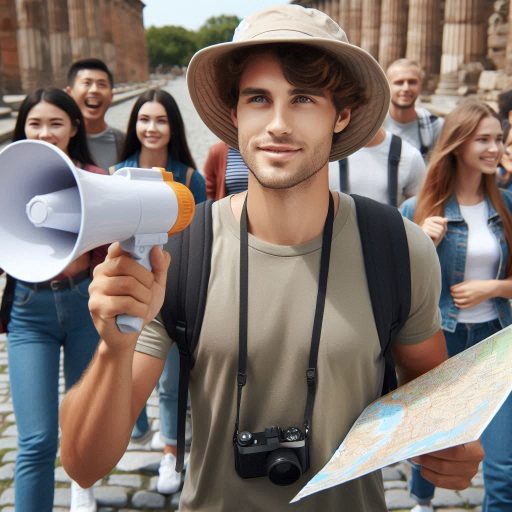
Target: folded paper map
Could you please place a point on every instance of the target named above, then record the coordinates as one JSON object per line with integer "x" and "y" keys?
{"x": 450, "y": 405}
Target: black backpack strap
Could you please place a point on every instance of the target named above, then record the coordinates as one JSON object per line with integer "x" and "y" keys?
{"x": 343, "y": 163}
{"x": 395, "y": 151}
{"x": 387, "y": 265}
{"x": 185, "y": 299}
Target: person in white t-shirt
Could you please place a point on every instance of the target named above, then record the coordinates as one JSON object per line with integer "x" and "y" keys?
{"x": 469, "y": 220}
{"x": 367, "y": 170}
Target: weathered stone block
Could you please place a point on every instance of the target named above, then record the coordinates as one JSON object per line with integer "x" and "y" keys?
{"x": 487, "y": 80}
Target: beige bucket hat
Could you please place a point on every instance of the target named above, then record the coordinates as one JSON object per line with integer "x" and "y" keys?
{"x": 292, "y": 24}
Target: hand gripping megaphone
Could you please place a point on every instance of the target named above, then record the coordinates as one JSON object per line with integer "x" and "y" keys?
{"x": 51, "y": 212}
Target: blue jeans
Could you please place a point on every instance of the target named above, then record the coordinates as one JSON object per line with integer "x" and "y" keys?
{"x": 41, "y": 323}
{"x": 496, "y": 439}
{"x": 168, "y": 401}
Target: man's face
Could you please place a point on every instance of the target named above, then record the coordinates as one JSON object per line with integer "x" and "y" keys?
{"x": 405, "y": 84}
{"x": 284, "y": 133}
{"x": 92, "y": 92}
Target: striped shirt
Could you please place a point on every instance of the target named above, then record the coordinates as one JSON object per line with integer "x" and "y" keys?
{"x": 236, "y": 172}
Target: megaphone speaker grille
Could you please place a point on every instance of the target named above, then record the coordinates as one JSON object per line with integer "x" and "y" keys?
{"x": 30, "y": 168}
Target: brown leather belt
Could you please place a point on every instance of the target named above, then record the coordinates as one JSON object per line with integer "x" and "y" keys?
{"x": 60, "y": 284}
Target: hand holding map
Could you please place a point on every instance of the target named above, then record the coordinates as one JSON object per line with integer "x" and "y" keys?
{"x": 447, "y": 406}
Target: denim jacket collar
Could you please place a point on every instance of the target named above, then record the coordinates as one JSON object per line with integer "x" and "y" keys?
{"x": 452, "y": 209}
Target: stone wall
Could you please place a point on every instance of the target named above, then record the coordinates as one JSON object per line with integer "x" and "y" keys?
{"x": 464, "y": 46}
{"x": 39, "y": 40}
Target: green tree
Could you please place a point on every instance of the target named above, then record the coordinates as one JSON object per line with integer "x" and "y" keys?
{"x": 170, "y": 45}
{"x": 217, "y": 29}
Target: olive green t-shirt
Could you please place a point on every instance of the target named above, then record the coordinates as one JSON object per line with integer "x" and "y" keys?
{"x": 283, "y": 284}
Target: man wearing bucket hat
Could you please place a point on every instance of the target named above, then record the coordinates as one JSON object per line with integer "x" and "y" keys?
{"x": 291, "y": 94}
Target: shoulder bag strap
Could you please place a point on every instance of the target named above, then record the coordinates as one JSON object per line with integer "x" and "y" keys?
{"x": 395, "y": 151}
{"x": 185, "y": 299}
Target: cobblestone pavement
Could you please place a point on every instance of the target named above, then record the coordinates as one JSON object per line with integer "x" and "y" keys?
{"x": 132, "y": 485}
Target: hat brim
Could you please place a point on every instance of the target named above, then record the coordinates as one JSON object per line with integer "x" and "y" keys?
{"x": 365, "y": 120}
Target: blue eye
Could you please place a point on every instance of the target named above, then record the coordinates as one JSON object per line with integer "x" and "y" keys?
{"x": 258, "y": 99}
{"x": 303, "y": 99}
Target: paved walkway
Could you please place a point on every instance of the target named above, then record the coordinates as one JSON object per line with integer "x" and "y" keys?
{"x": 131, "y": 486}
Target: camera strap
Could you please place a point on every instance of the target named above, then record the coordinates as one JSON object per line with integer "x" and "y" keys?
{"x": 317, "y": 324}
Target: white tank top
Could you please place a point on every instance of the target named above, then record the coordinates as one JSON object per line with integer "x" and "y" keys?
{"x": 482, "y": 259}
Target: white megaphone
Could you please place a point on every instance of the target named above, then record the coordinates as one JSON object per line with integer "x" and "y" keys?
{"x": 51, "y": 212}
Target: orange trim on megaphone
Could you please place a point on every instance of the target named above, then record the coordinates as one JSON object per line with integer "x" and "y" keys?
{"x": 186, "y": 203}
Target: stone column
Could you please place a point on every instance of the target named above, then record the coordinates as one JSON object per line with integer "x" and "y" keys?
{"x": 344, "y": 16}
{"x": 424, "y": 36}
{"x": 133, "y": 57}
{"x": 94, "y": 28}
{"x": 60, "y": 42}
{"x": 370, "y": 26}
{"x": 9, "y": 55}
{"x": 118, "y": 34}
{"x": 78, "y": 29}
{"x": 508, "y": 61}
{"x": 464, "y": 40}
{"x": 143, "y": 58}
{"x": 335, "y": 10}
{"x": 393, "y": 31}
{"x": 33, "y": 44}
{"x": 328, "y": 7}
{"x": 109, "y": 50}
{"x": 355, "y": 21}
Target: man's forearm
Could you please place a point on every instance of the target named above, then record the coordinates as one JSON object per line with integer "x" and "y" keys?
{"x": 97, "y": 417}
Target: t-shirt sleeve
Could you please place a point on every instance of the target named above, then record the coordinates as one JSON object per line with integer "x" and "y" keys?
{"x": 154, "y": 340}
{"x": 424, "y": 318}
{"x": 416, "y": 174}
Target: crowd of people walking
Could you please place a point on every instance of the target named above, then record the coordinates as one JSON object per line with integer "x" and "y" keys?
{"x": 451, "y": 177}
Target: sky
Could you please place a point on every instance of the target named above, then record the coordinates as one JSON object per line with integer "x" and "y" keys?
{"x": 192, "y": 14}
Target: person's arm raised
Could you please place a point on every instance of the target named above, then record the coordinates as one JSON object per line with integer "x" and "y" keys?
{"x": 98, "y": 413}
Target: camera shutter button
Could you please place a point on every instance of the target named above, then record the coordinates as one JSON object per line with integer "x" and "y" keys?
{"x": 244, "y": 438}
{"x": 292, "y": 434}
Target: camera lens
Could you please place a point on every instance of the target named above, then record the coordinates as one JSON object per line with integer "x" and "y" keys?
{"x": 283, "y": 467}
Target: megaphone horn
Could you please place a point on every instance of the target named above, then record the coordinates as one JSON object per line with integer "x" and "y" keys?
{"x": 51, "y": 212}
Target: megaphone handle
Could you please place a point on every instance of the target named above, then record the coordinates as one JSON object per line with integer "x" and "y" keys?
{"x": 127, "y": 323}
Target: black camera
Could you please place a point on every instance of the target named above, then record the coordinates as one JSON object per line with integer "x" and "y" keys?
{"x": 282, "y": 455}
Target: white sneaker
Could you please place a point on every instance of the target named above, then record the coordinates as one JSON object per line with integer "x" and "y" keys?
{"x": 156, "y": 442}
{"x": 168, "y": 480}
{"x": 422, "y": 508}
{"x": 82, "y": 500}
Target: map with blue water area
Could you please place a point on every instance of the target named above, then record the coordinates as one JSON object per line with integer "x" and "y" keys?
{"x": 448, "y": 406}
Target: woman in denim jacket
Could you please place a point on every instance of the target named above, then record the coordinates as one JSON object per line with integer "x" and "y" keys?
{"x": 469, "y": 221}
